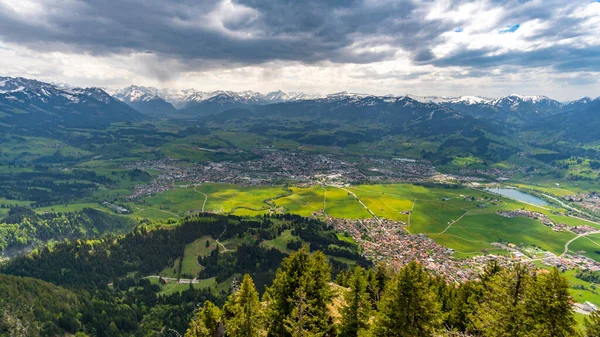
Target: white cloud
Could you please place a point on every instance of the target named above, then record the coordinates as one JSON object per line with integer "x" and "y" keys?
{"x": 247, "y": 49}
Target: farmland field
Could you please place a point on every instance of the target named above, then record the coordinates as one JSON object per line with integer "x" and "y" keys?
{"x": 458, "y": 218}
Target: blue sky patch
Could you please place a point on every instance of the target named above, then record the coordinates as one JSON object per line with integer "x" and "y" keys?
{"x": 458, "y": 30}
{"x": 510, "y": 29}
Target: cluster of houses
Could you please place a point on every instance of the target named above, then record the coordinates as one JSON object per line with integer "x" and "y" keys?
{"x": 559, "y": 227}
{"x": 589, "y": 201}
{"x": 388, "y": 241}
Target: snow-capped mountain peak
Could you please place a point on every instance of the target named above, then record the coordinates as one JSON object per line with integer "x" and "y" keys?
{"x": 42, "y": 91}
{"x": 469, "y": 100}
{"x": 135, "y": 93}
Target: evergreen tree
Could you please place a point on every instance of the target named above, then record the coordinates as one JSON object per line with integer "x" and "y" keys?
{"x": 300, "y": 322}
{"x": 463, "y": 307}
{"x": 377, "y": 280}
{"x": 243, "y": 311}
{"x": 300, "y": 294}
{"x": 592, "y": 325}
{"x": 408, "y": 307}
{"x": 357, "y": 311}
{"x": 502, "y": 312}
{"x": 548, "y": 305}
{"x": 207, "y": 322}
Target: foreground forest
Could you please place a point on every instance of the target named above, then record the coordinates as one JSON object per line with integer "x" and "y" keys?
{"x": 98, "y": 288}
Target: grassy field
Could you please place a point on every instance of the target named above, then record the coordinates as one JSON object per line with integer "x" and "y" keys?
{"x": 462, "y": 219}
{"x": 588, "y": 246}
{"x": 189, "y": 265}
{"x": 219, "y": 197}
{"x": 171, "y": 271}
{"x": 281, "y": 241}
{"x": 473, "y": 233}
{"x": 303, "y": 201}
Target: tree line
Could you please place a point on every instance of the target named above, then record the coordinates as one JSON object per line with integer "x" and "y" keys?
{"x": 379, "y": 302}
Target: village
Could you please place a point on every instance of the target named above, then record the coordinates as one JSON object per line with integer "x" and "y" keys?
{"x": 558, "y": 227}
{"x": 588, "y": 201}
{"x": 389, "y": 241}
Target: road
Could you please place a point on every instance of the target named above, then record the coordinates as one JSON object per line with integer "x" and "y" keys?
{"x": 205, "y": 197}
{"x": 575, "y": 238}
{"x": 411, "y": 211}
{"x": 359, "y": 201}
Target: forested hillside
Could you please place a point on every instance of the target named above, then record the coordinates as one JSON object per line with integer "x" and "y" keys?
{"x": 111, "y": 278}
{"x": 108, "y": 293}
{"x": 302, "y": 301}
{"x": 23, "y": 228}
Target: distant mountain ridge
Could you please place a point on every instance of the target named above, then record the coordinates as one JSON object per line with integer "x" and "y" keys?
{"x": 190, "y": 99}
{"x": 31, "y": 104}
{"x": 513, "y": 108}
{"x": 144, "y": 100}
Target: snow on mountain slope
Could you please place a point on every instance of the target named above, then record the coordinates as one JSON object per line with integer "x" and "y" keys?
{"x": 522, "y": 105}
{"x": 455, "y": 100}
{"x": 186, "y": 97}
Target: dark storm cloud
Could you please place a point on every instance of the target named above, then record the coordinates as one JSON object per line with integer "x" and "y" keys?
{"x": 307, "y": 31}
{"x": 257, "y": 31}
{"x": 563, "y": 59}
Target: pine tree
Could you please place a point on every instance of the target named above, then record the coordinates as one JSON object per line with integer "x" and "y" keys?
{"x": 502, "y": 312}
{"x": 207, "y": 322}
{"x": 548, "y": 305}
{"x": 592, "y": 325}
{"x": 300, "y": 322}
{"x": 377, "y": 279}
{"x": 408, "y": 307}
{"x": 300, "y": 289}
{"x": 463, "y": 307}
{"x": 243, "y": 311}
{"x": 357, "y": 311}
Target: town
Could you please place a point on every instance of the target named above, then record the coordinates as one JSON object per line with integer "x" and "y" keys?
{"x": 278, "y": 167}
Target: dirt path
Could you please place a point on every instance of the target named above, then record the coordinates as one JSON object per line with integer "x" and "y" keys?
{"x": 411, "y": 211}
{"x": 325, "y": 201}
{"x": 156, "y": 209}
{"x": 205, "y": 197}
{"x": 452, "y": 223}
{"x": 225, "y": 250}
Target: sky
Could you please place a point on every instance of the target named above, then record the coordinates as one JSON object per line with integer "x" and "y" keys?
{"x": 444, "y": 47}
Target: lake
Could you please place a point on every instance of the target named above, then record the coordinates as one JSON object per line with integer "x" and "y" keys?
{"x": 515, "y": 194}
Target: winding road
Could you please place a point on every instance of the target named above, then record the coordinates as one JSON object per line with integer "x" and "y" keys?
{"x": 205, "y": 197}
{"x": 575, "y": 238}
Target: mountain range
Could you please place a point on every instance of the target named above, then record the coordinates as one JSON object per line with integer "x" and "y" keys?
{"x": 31, "y": 103}
{"x": 37, "y": 105}
{"x": 518, "y": 109}
{"x": 155, "y": 101}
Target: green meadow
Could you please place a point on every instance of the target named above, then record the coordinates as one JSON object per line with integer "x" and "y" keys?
{"x": 189, "y": 265}
{"x": 459, "y": 218}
